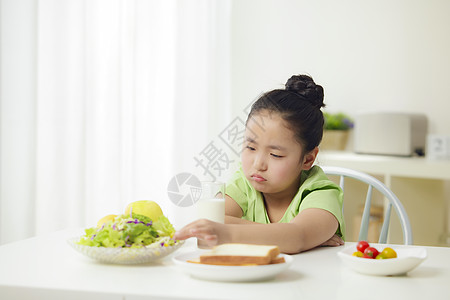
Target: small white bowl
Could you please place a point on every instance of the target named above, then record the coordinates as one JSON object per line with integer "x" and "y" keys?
{"x": 408, "y": 258}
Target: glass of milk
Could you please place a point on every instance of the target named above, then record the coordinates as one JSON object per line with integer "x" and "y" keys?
{"x": 211, "y": 204}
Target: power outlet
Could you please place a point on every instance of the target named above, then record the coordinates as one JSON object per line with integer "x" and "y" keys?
{"x": 438, "y": 147}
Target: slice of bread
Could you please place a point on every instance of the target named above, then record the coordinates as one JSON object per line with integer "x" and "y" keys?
{"x": 241, "y": 254}
{"x": 278, "y": 260}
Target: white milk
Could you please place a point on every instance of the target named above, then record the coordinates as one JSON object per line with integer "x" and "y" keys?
{"x": 211, "y": 209}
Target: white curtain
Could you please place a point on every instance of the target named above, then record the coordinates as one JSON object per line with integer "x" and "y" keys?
{"x": 102, "y": 103}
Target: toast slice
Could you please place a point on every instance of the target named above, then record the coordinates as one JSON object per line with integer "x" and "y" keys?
{"x": 235, "y": 254}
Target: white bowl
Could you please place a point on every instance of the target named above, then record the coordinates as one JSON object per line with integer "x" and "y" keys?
{"x": 408, "y": 258}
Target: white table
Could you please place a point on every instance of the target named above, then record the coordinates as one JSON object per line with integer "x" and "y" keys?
{"x": 46, "y": 267}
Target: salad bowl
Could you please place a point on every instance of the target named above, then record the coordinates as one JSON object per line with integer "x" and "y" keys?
{"x": 126, "y": 256}
{"x": 128, "y": 239}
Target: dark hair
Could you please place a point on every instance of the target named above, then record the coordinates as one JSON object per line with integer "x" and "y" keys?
{"x": 299, "y": 105}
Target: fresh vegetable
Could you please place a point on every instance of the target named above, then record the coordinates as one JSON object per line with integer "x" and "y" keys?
{"x": 381, "y": 256}
{"x": 361, "y": 246}
{"x": 130, "y": 230}
{"x": 364, "y": 250}
{"x": 370, "y": 252}
{"x": 388, "y": 253}
{"x": 358, "y": 254}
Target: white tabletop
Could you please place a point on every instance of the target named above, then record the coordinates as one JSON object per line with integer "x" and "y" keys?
{"x": 414, "y": 167}
{"x": 46, "y": 267}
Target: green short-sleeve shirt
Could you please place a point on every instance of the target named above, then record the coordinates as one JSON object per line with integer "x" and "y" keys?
{"x": 316, "y": 191}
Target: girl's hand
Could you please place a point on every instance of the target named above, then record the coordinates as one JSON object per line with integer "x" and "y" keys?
{"x": 208, "y": 233}
{"x": 334, "y": 241}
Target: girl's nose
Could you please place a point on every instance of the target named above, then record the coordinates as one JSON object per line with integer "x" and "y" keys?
{"x": 260, "y": 163}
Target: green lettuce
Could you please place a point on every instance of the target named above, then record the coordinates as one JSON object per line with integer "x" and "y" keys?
{"x": 136, "y": 232}
{"x": 164, "y": 227}
{"x": 106, "y": 237}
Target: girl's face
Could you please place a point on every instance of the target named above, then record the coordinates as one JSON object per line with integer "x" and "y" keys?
{"x": 272, "y": 159}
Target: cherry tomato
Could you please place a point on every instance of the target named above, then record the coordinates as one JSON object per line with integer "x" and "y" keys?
{"x": 361, "y": 246}
{"x": 371, "y": 251}
{"x": 389, "y": 253}
{"x": 358, "y": 254}
{"x": 367, "y": 256}
{"x": 381, "y": 256}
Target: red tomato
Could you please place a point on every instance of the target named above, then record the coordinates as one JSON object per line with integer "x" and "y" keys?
{"x": 371, "y": 251}
{"x": 362, "y": 245}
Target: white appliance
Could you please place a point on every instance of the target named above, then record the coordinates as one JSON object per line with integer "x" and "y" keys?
{"x": 402, "y": 134}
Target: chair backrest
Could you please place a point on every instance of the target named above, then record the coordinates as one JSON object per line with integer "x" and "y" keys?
{"x": 374, "y": 183}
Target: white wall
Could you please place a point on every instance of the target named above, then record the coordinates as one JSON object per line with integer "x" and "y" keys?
{"x": 369, "y": 55}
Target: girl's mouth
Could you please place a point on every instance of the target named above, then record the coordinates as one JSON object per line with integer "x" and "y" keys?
{"x": 258, "y": 178}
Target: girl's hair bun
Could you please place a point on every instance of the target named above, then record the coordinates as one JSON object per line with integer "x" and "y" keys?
{"x": 307, "y": 89}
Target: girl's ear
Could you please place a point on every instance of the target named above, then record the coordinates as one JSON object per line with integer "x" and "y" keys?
{"x": 309, "y": 158}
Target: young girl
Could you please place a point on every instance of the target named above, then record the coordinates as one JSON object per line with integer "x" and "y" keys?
{"x": 278, "y": 197}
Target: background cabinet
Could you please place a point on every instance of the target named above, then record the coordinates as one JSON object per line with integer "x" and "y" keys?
{"x": 423, "y": 186}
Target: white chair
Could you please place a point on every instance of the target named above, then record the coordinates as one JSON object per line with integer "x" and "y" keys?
{"x": 374, "y": 183}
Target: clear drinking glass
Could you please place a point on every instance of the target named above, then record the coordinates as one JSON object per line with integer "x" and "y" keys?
{"x": 211, "y": 204}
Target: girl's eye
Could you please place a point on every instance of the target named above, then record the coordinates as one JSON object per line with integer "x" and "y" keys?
{"x": 250, "y": 148}
{"x": 276, "y": 156}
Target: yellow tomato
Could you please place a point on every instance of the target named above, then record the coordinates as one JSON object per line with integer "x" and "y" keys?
{"x": 389, "y": 253}
{"x": 381, "y": 256}
{"x": 358, "y": 254}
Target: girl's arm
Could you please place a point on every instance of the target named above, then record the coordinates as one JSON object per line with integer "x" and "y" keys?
{"x": 233, "y": 215}
{"x": 233, "y": 212}
{"x": 309, "y": 229}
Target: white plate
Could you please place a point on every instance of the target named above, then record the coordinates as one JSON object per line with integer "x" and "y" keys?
{"x": 229, "y": 273}
{"x": 124, "y": 256}
{"x": 407, "y": 259}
